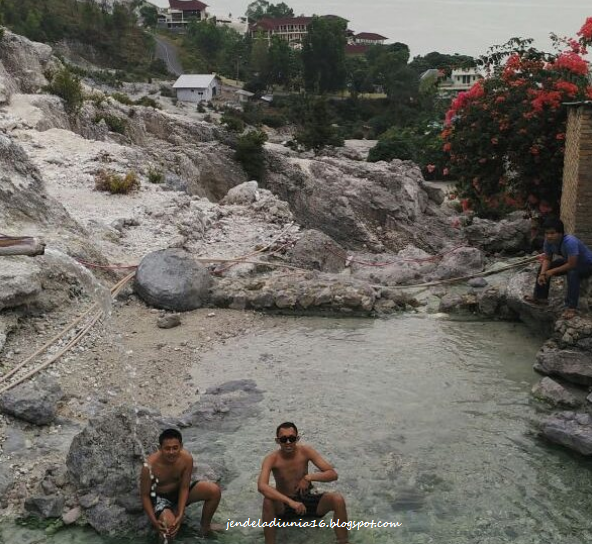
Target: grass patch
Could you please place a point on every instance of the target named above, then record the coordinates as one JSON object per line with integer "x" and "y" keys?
{"x": 115, "y": 184}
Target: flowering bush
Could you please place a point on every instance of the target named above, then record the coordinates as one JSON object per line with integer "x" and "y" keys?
{"x": 505, "y": 137}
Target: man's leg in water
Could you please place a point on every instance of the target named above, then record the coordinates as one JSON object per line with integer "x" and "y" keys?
{"x": 334, "y": 502}
{"x": 271, "y": 510}
{"x": 210, "y": 493}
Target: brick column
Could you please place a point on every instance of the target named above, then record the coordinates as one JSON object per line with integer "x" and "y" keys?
{"x": 576, "y": 199}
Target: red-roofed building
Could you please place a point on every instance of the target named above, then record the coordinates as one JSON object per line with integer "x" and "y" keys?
{"x": 181, "y": 12}
{"x": 290, "y": 29}
{"x": 368, "y": 38}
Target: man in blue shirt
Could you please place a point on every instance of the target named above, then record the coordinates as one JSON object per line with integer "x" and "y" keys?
{"x": 575, "y": 261}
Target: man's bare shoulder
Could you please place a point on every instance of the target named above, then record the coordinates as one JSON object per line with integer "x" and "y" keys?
{"x": 186, "y": 457}
{"x": 153, "y": 458}
{"x": 308, "y": 451}
{"x": 271, "y": 457}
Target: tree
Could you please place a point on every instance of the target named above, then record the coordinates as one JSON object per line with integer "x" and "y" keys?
{"x": 323, "y": 55}
{"x": 505, "y": 138}
{"x": 149, "y": 15}
{"x": 67, "y": 86}
{"x": 262, "y": 8}
{"x": 282, "y": 62}
{"x": 249, "y": 152}
{"x": 318, "y": 130}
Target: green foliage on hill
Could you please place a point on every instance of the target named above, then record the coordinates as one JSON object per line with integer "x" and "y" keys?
{"x": 249, "y": 152}
{"x": 112, "y": 33}
{"x": 67, "y": 86}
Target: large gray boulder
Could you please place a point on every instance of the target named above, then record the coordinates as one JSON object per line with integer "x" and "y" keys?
{"x": 358, "y": 204}
{"x": 508, "y": 236}
{"x": 33, "y": 401}
{"x": 460, "y": 262}
{"x": 570, "y": 429}
{"x": 315, "y": 250}
{"x": 45, "y": 506}
{"x": 104, "y": 464}
{"x": 171, "y": 279}
{"x": 572, "y": 365}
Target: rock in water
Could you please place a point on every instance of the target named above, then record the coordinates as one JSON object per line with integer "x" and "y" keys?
{"x": 554, "y": 393}
{"x": 570, "y": 429}
{"x": 172, "y": 280}
{"x": 35, "y": 402}
{"x": 104, "y": 464}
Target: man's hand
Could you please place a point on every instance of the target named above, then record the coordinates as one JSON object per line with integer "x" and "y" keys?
{"x": 542, "y": 279}
{"x": 303, "y": 486}
{"x": 174, "y": 528}
{"x": 161, "y": 527}
{"x": 298, "y": 507}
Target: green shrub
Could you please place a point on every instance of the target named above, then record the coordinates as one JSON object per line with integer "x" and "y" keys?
{"x": 67, "y": 86}
{"x": 122, "y": 98}
{"x": 115, "y": 124}
{"x": 147, "y": 102}
{"x": 232, "y": 122}
{"x": 115, "y": 184}
{"x": 249, "y": 152}
{"x": 155, "y": 176}
{"x": 274, "y": 121}
{"x": 166, "y": 90}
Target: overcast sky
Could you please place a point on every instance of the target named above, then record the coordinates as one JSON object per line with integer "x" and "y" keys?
{"x": 448, "y": 26}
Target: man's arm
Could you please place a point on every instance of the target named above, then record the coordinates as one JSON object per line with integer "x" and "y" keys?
{"x": 270, "y": 492}
{"x": 145, "y": 488}
{"x": 183, "y": 492}
{"x": 327, "y": 472}
{"x": 572, "y": 262}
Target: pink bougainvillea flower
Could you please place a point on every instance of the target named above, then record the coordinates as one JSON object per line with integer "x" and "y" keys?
{"x": 544, "y": 207}
{"x": 446, "y": 171}
{"x": 570, "y": 89}
{"x": 466, "y": 205}
{"x": 431, "y": 168}
{"x": 586, "y": 31}
{"x": 532, "y": 199}
{"x": 494, "y": 141}
{"x": 560, "y": 136}
{"x": 572, "y": 62}
{"x": 447, "y": 147}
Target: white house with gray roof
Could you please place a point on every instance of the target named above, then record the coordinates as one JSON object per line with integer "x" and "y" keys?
{"x": 197, "y": 88}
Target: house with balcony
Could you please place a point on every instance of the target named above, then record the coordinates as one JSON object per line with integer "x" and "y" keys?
{"x": 177, "y": 14}
{"x": 291, "y": 29}
{"x": 460, "y": 79}
{"x": 368, "y": 38}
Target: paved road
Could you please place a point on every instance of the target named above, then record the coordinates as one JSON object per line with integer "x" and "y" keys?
{"x": 168, "y": 53}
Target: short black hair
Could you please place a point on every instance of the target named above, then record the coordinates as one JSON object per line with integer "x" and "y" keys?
{"x": 170, "y": 433}
{"x": 552, "y": 223}
{"x": 285, "y": 425}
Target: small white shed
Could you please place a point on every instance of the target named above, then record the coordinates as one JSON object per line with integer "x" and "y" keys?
{"x": 197, "y": 88}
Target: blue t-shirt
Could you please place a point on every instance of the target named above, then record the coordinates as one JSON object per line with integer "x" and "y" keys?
{"x": 570, "y": 246}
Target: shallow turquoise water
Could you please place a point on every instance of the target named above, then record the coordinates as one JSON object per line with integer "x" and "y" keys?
{"x": 427, "y": 421}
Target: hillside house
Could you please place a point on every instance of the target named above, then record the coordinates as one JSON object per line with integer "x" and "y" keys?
{"x": 368, "y": 38}
{"x": 177, "y": 14}
{"x": 291, "y": 29}
{"x": 461, "y": 79}
{"x": 196, "y": 88}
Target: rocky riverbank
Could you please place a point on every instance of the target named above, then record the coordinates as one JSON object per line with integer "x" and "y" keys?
{"x": 321, "y": 234}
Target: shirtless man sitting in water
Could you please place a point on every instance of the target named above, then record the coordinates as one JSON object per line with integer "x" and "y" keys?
{"x": 166, "y": 487}
{"x": 292, "y": 498}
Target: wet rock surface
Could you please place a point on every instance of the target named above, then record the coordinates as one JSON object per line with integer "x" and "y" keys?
{"x": 508, "y": 236}
{"x": 554, "y": 393}
{"x": 570, "y": 429}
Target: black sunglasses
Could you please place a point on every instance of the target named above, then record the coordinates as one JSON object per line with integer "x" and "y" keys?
{"x": 291, "y": 439}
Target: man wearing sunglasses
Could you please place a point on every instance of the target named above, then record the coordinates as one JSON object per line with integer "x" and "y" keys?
{"x": 292, "y": 498}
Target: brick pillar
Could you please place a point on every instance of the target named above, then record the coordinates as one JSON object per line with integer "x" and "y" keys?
{"x": 576, "y": 199}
